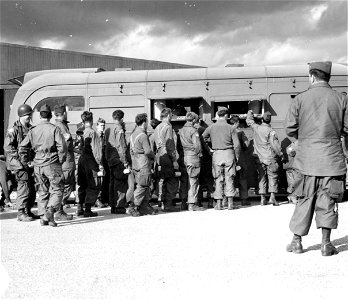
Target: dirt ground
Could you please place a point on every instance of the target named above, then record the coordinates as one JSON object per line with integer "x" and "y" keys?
{"x": 184, "y": 255}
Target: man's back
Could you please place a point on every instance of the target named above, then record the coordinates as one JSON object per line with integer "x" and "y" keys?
{"x": 318, "y": 117}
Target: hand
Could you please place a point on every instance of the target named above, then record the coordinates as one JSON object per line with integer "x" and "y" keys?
{"x": 176, "y": 165}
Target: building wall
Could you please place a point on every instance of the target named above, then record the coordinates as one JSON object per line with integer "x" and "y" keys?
{"x": 16, "y": 60}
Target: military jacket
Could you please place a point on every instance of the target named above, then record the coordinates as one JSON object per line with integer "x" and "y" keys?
{"x": 223, "y": 136}
{"x": 165, "y": 140}
{"x": 70, "y": 158}
{"x": 14, "y": 137}
{"x": 48, "y": 143}
{"x": 317, "y": 118}
{"x": 93, "y": 145}
{"x": 116, "y": 146}
{"x": 190, "y": 140}
{"x": 142, "y": 155}
{"x": 266, "y": 143}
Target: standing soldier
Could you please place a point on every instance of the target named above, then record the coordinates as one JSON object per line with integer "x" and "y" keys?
{"x": 68, "y": 166}
{"x": 192, "y": 149}
{"x": 78, "y": 149}
{"x": 267, "y": 152}
{"x": 142, "y": 160}
{"x": 116, "y": 156}
{"x": 50, "y": 150}
{"x": 242, "y": 162}
{"x": 26, "y": 193}
{"x": 166, "y": 160}
{"x": 225, "y": 145}
{"x": 89, "y": 168}
{"x": 317, "y": 118}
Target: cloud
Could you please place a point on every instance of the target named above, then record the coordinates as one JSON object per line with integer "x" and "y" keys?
{"x": 53, "y": 44}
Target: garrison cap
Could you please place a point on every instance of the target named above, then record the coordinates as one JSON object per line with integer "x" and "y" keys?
{"x": 59, "y": 109}
{"x": 45, "y": 108}
{"x": 267, "y": 116}
{"x": 324, "y": 66}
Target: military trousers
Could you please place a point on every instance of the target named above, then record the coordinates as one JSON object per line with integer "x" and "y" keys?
{"x": 193, "y": 170}
{"x": 142, "y": 192}
{"x": 242, "y": 182}
{"x": 26, "y": 193}
{"x": 50, "y": 181}
{"x": 89, "y": 186}
{"x": 168, "y": 183}
{"x": 183, "y": 181}
{"x": 206, "y": 179}
{"x": 267, "y": 174}
{"x": 224, "y": 171}
{"x": 118, "y": 186}
{"x": 69, "y": 182}
{"x": 316, "y": 195}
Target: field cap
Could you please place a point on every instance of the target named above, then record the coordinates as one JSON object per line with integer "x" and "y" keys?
{"x": 59, "y": 109}
{"x": 324, "y": 66}
{"x": 45, "y": 108}
{"x": 267, "y": 116}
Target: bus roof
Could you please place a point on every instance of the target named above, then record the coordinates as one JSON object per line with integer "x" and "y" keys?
{"x": 176, "y": 75}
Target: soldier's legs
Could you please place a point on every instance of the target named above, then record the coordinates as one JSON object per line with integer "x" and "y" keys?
{"x": 184, "y": 184}
{"x": 140, "y": 194}
{"x": 43, "y": 190}
{"x": 23, "y": 189}
{"x": 272, "y": 174}
{"x": 218, "y": 173}
{"x": 112, "y": 199}
{"x": 69, "y": 184}
{"x": 193, "y": 174}
{"x": 121, "y": 187}
{"x": 302, "y": 217}
{"x": 170, "y": 189}
{"x": 230, "y": 172}
{"x": 54, "y": 173}
{"x": 262, "y": 177}
{"x": 326, "y": 215}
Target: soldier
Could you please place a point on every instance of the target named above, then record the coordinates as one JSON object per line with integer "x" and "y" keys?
{"x": 89, "y": 168}
{"x": 317, "y": 118}
{"x": 242, "y": 162}
{"x": 50, "y": 150}
{"x": 192, "y": 150}
{"x": 5, "y": 186}
{"x": 142, "y": 160}
{"x": 103, "y": 196}
{"x": 206, "y": 178}
{"x": 166, "y": 160}
{"x": 225, "y": 145}
{"x": 68, "y": 166}
{"x": 116, "y": 156}
{"x": 78, "y": 149}
{"x": 24, "y": 175}
{"x": 267, "y": 152}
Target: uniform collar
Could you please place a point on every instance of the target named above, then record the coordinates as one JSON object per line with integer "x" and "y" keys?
{"x": 188, "y": 124}
{"x": 221, "y": 121}
{"x": 44, "y": 122}
{"x": 62, "y": 121}
{"x": 319, "y": 84}
{"x": 141, "y": 129}
{"x": 264, "y": 124}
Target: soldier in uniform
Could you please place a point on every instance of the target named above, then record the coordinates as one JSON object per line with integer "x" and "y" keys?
{"x": 166, "y": 160}
{"x": 142, "y": 160}
{"x": 192, "y": 149}
{"x": 50, "y": 150}
{"x": 89, "y": 168}
{"x": 225, "y": 145}
{"x": 68, "y": 166}
{"x": 317, "y": 118}
{"x": 242, "y": 162}
{"x": 267, "y": 152}
{"x": 116, "y": 156}
{"x": 24, "y": 174}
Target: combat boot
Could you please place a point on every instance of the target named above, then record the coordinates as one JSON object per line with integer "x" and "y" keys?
{"x": 22, "y": 216}
{"x": 88, "y": 212}
{"x": 328, "y": 249}
{"x": 48, "y": 218}
{"x": 272, "y": 200}
{"x": 147, "y": 209}
{"x": 79, "y": 210}
{"x": 218, "y": 205}
{"x": 245, "y": 202}
{"x": 263, "y": 200}
{"x": 30, "y": 214}
{"x": 61, "y": 215}
{"x": 224, "y": 203}
{"x": 231, "y": 205}
{"x": 183, "y": 206}
{"x": 195, "y": 207}
{"x": 133, "y": 212}
{"x": 210, "y": 203}
{"x": 295, "y": 246}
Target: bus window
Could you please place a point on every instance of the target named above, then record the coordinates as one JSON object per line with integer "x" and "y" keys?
{"x": 75, "y": 105}
{"x": 179, "y": 107}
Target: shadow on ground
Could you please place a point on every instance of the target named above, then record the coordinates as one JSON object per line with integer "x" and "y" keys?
{"x": 341, "y": 244}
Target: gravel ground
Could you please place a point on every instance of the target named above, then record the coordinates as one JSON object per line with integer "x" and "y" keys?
{"x": 184, "y": 255}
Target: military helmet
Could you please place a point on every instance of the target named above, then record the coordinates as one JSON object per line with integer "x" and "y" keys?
{"x": 24, "y": 110}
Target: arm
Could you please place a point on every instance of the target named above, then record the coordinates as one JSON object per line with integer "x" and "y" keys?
{"x": 169, "y": 143}
{"x": 96, "y": 147}
{"x": 62, "y": 148}
{"x": 3, "y": 181}
{"x": 250, "y": 119}
{"x": 122, "y": 147}
{"x": 24, "y": 150}
{"x": 197, "y": 143}
{"x": 146, "y": 146}
{"x": 291, "y": 123}
{"x": 236, "y": 144}
{"x": 275, "y": 145}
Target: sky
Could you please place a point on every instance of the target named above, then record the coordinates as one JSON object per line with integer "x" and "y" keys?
{"x": 204, "y": 33}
